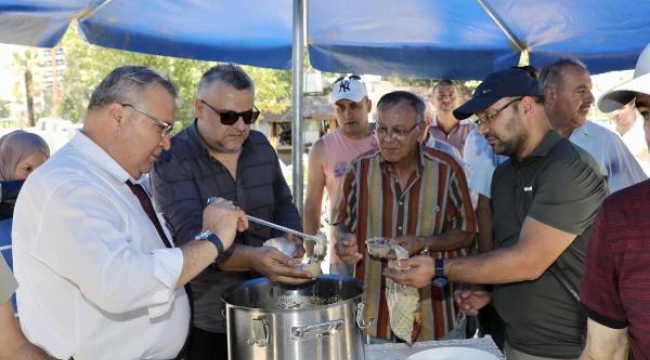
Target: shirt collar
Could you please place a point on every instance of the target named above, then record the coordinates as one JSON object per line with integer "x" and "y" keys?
{"x": 550, "y": 140}
{"x": 98, "y": 156}
{"x": 580, "y": 130}
{"x": 386, "y": 165}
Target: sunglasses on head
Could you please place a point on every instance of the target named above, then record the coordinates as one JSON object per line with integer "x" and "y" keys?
{"x": 229, "y": 117}
{"x": 348, "y": 77}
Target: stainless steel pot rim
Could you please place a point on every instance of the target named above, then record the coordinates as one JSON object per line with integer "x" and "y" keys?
{"x": 230, "y": 294}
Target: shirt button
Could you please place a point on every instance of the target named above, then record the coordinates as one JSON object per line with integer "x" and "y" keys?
{"x": 401, "y": 203}
{"x": 399, "y": 228}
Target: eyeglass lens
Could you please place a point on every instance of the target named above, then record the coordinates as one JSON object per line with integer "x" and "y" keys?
{"x": 229, "y": 117}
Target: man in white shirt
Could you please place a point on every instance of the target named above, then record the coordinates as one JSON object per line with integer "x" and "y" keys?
{"x": 99, "y": 276}
{"x": 567, "y": 85}
{"x": 630, "y": 126}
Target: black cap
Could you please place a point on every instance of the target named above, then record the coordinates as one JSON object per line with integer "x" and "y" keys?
{"x": 497, "y": 85}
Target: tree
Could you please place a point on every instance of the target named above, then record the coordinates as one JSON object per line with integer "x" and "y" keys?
{"x": 5, "y": 108}
{"x": 26, "y": 61}
{"x": 87, "y": 64}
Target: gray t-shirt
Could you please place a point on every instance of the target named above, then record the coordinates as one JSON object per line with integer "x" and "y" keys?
{"x": 8, "y": 283}
{"x": 560, "y": 186}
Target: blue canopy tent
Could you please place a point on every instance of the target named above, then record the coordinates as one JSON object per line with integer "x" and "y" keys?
{"x": 462, "y": 39}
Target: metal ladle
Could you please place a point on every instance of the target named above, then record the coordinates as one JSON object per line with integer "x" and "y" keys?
{"x": 320, "y": 242}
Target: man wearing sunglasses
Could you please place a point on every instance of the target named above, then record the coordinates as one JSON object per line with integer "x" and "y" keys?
{"x": 544, "y": 201}
{"x": 220, "y": 155}
{"x": 330, "y": 156}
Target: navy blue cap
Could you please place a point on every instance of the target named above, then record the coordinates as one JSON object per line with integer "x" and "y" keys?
{"x": 497, "y": 85}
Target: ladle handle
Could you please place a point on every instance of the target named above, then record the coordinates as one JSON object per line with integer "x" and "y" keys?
{"x": 275, "y": 226}
{"x": 283, "y": 228}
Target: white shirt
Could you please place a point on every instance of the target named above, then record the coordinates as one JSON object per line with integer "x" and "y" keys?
{"x": 481, "y": 161}
{"x": 446, "y": 147}
{"x": 634, "y": 139}
{"x": 616, "y": 162}
{"x": 96, "y": 279}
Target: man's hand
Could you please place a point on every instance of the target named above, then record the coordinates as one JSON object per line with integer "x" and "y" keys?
{"x": 471, "y": 300}
{"x": 223, "y": 218}
{"x": 347, "y": 248}
{"x": 300, "y": 249}
{"x": 278, "y": 267}
{"x": 413, "y": 244}
{"x": 418, "y": 273}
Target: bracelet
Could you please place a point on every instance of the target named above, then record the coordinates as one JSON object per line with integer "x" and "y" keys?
{"x": 214, "y": 239}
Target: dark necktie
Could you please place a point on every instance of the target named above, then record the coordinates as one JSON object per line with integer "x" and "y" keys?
{"x": 145, "y": 201}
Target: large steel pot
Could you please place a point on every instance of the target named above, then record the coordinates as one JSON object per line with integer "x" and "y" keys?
{"x": 315, "y": 321}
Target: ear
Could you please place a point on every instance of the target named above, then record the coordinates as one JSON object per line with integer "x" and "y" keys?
{"x": 198, "y": 106}
{"x": 369, "y": 105}
{"x": 117, "y": 115}
{"x": 550, "y": 96}
{"x": 527, "y": 105}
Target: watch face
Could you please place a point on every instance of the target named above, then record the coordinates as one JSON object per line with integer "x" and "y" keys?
{"x": 439, "y": 282}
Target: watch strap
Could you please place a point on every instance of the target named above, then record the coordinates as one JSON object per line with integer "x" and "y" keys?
{"x": 214, "y": 239}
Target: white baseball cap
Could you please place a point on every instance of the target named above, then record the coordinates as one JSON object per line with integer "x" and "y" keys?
{"x": 625, "y": 92}
{"x": 349, "y": 87}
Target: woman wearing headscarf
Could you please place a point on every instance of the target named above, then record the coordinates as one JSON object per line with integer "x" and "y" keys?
{"x": 21, "y": 153}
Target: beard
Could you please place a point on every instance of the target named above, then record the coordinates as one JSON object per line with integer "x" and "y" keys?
{"x": 511, "y": 141}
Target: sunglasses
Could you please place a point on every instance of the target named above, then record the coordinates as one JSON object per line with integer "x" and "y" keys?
{"x": 350, "y": 77}
{"x": 229, "y": 117}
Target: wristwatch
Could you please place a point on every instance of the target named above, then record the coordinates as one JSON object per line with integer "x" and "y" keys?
{"x": 213, "y": 238}
{"x": 439, "y": 278}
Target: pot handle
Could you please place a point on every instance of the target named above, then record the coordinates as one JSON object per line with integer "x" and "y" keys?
{"x": 317, "y": 330}
{"x": 261, "y": 331}
{"x": 360, "y": 316}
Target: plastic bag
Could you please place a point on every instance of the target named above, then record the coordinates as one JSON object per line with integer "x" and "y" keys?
{"x": 458, "y": 332}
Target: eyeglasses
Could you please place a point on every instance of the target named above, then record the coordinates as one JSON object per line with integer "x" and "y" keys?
{"x": 399, "y": 134}
{"x": 229, "y": 117}
{"x": 166, "y": 127}
{"x": 488, "y": 117}
{"x": 348, "y": 77}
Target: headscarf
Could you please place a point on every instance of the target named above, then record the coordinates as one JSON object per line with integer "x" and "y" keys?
{"x": 16, "y": 147}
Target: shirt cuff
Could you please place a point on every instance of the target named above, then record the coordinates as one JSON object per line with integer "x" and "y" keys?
{"x": 168, "y": 265}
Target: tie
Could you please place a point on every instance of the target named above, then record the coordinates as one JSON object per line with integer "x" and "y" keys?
{"x": 145, "y": 201}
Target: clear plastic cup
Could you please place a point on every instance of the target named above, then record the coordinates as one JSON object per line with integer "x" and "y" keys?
{"x": 378, "y": 246}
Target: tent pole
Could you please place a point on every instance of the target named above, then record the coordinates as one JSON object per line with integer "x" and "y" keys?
{"x": 297, "y": 60}
{"x": 513, "y": 39}
{"x": 88, "y": 13}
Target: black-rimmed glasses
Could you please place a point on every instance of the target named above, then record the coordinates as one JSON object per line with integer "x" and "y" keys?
{"x": 166, "y": 127}
{"x": 229, "y": 117}
{"x": 488, "y": 117}
{"x": 400, "y": 134}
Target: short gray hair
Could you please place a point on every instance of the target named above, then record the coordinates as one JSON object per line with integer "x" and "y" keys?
{"x": 551, "y": 74}
{"x": 126, "y": 84}
{"x": 396, "y": 97}
{"x": 230, "y": 74}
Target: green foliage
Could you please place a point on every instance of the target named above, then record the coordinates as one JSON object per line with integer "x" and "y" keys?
{"x": 87, "y": 65}
{"x": 412, "y": 82}
{"x": 5, "y": 108}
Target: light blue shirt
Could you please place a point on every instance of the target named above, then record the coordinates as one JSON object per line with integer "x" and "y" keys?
{"x": 480, "y": 163}
{"x": 617, "y": 164}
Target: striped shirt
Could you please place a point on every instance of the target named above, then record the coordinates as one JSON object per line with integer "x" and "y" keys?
{"x": 372, "y": 203}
